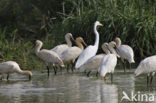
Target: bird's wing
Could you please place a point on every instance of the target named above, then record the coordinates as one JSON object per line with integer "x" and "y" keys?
{"x": 7, "y": 66}
{"x": 94, "y": 62}
{"x": 48, "y": 56}
{"x": 108, "y": 64}
{"x": 60, "y": 49}
{"x": 89, "y": 52}
{"x": 146, "y": 66}
{"x": 71, "y": 53}
{"x": 126, "y": 51}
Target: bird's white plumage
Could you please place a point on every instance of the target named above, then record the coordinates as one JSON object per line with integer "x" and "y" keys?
{"x": 73, "y": 52}
{"x": 70, "y": 54}
{"x": 59, "y": 49}
{"x": 91, "y": 50}
{"x": 47, "y": 56}
{"x": 9, "y": 67}
{"x": 12, "y": 67}
{"x": 93, "y": 63}
{"x": 108, "y": 64}
{"x": 126, "y": 52}
{"x": 147, "y": 65}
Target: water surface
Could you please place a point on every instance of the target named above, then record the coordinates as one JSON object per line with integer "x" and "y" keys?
{"x": 72, "y": 88}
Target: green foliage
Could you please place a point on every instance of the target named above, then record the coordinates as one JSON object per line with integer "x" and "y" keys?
{"x": 134, "y": 21}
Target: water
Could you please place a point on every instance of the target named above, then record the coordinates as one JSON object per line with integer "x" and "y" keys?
{"x": 72, "y": 88}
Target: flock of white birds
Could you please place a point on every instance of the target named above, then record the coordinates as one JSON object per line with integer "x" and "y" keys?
{"x": 86, "y": 59}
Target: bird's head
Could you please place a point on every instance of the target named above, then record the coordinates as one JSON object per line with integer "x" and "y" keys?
{"x": 105, "y": 48}
{"x": 112, "y": 44}
{"x": 80, "y": 40}
{"x": 97, "y": 23}
{"x": 118, "y": 41}
{"x": 38, "y": 42}
{"x": 69, "y": 35}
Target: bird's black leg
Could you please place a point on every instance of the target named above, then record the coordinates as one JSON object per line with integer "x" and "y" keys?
{"x": 88, "y": 74}
{"x": 1, "y": 77}
{"x": 152, "y": 75}
{"x": 147, "y": 79}
{"x": 112, "y": 77}
{"x": 55, "y": 70}
{"x": 48, "y": 70}
{"x": 72, "y": 67}
{"x": 124, "y": 65}
{"x": 85, "y": 71}
{"x": 97, "y": 74}
{"x": 7, "y": 76}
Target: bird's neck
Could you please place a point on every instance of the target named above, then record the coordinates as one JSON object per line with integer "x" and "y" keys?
{"x": 96, "y": 44}
{"x": 24, "y": 72}
{"x": 80, "y": 45}
{"x": 38, "y": 49}
{"x": 112, "y": 50}
{"x": 106, "y": 51}
{"x": 118, "y": 43}
{"x": 69, "y": 43}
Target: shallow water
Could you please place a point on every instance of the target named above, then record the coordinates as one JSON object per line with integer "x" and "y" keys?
{"x": 73, "y": 88}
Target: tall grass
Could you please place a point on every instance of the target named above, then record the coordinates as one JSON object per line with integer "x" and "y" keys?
{"x": 134, "y": 21}
{"x": 22, "y": 51}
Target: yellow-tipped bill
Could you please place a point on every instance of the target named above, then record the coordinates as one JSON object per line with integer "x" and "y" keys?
{"x": 101, "y": 24}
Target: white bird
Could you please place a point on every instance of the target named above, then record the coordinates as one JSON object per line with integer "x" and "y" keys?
{"x": 59, "y": 49}
{"x": 10, "y": 67}
{"x": 91, "y": 50}
{"x": 125, "y": 51}
{"x": 94, "y": 62}
{"x": 70, "y": 54}
{"x": 109, "y": 62}
{"x": 48, "y": 56}
{"x": 147, "y": 66}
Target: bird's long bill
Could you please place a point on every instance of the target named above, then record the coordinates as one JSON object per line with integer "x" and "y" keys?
{"x": 101, "y": 24}
{"x": 72, "y": 39}
{"x": 117, "y": 52}
{"x": 84, "y": 43}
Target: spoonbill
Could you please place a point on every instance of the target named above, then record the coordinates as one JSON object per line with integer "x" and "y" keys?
{"x": 48, "y": 56}
{"x": 59, "y": 49}
{"x": 147, "y": 66}
{"x": 70, "y": 54}
{"x": 94, "y": 62}
{"x": 125, "y": 52}
{"x": 10, "y": 67}
{"x": 91, "y": 50}
{"x": 109, "y": 62}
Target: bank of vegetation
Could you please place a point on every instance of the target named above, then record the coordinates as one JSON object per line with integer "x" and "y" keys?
{"x": 24, "y": 21}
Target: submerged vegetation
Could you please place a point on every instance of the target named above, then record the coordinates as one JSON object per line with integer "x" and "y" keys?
{"x": 22, "y": 22}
